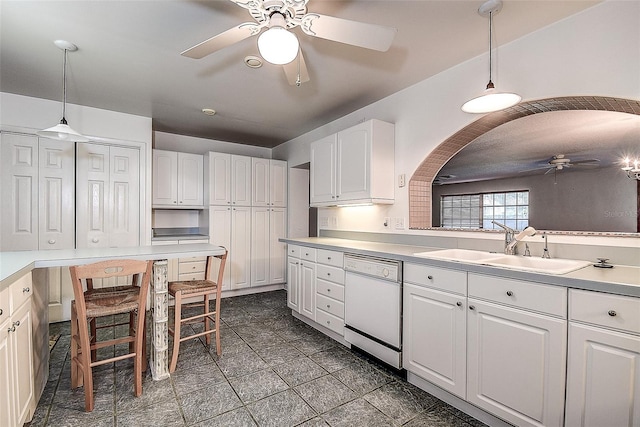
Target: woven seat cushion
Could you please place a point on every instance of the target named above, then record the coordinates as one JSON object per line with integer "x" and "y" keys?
{"x": 191, "y": 286}
{"x": 107, "y": 302}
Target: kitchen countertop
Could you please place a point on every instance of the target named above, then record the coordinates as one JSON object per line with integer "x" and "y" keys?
{"x": 15, "y": 264}
{"x": 622, "y": 279}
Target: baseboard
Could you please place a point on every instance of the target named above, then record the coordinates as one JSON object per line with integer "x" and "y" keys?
{"x": 249, "y": 291}
{"x": 319, "y": 327}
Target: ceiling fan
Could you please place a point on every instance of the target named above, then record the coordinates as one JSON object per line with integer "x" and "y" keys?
{"x": 279, "y": 16}
{"x": 560, "y": 162}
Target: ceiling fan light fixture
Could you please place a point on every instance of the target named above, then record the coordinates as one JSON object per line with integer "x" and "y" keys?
{"x": 491, "y": 100}
{"x": 62, "y": 131}
{"x": 278, "y": 46}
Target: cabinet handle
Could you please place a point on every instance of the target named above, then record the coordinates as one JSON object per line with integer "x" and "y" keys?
{"x": 25, "y": 290}
{"x": 612, "y": 313}
{"x": 328, "y": 258}
{"x": 51, "y": 242}
{"x": 328, "y": 290}
{"x": 180, "y": 201}
{"x": 328, "y": 322}
{"x": 174, "y": 202}
{"x": 1, "y": 312}
{"x": 472, "y": 307}
{"x": 16, "y": 323}
{"x": 328, "y": 274}
{"x": 12, "y": 328}
{"x": 95, "y": 240}
{"x": 459, "y": 304}
{"x": 430, "y": 277}
{"x": 509, "y": 293}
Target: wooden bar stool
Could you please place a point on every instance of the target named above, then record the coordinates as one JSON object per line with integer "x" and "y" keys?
{"x": 93, "y": 303}
{"x": 198, "y": 288}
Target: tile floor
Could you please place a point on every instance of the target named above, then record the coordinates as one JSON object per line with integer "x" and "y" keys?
{"x": 274, "y": 371}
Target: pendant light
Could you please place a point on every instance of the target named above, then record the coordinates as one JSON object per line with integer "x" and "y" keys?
{"x": 491, "y": 100}
{"x": 63, "y": 131}
{"x": 277, "y": 45}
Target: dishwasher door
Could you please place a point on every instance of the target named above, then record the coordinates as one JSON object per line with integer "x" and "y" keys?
{"x": 373, "y": 306}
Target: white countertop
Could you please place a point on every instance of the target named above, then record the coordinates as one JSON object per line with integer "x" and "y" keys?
{"x": 621, "y": 279}
{"x": 15, "y": 264}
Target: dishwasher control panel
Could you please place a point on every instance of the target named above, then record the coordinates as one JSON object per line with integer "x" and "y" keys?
{"x": 381, "y": 268}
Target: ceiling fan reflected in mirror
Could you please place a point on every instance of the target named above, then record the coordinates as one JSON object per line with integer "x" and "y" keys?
{"x": 560, "y": 162}
{"x": 280, "y": 46}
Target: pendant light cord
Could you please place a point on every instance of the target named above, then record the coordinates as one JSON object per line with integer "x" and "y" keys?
{"x": 490, "y": 84}
{"x": 64, "y": 88}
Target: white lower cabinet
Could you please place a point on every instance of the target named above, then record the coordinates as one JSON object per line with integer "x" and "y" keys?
{"x": 330, "y": 290}
{"x": 603, "y": 378}
{"x": 301, "y": 280}
{"x": 516, "y": 357}
{"x": 16, "y": 354}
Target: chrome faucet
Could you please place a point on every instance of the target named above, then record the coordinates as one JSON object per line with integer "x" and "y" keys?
{"x": 511, "y": 239}
{"x": 508, "y": 235}
{"x": 545, "y": 252}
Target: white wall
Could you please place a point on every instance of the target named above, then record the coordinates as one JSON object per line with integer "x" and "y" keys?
{"x": 595, "y": 52}
{"x": 195, "y": 145}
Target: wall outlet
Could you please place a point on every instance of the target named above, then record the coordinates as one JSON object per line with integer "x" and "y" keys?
{"x": 387, "y": 222}
{"x": 402, "y": 180}
{"x": 399, "y": 223}
{"x": 333, "y": 221}
{"x": 324, "y": 222}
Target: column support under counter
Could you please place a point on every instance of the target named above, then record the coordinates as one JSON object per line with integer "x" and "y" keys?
{"x": 159, "y": 356}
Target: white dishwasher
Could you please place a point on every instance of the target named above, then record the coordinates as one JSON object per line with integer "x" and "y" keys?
{"x": 373, "y": 307}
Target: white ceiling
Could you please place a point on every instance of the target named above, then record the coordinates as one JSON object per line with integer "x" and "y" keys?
{"x": 129, "y": 59}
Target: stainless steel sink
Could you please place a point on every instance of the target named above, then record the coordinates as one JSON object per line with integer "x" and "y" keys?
{"x": 540, "y": 265}
{"x": 461, "y": 255}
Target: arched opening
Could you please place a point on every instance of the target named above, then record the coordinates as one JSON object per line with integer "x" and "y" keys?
{"x": 420, "y": 195}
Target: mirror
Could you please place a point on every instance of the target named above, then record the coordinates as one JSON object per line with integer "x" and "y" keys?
{"x": 568, "y": 161}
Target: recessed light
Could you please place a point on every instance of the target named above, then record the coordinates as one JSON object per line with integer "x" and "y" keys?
{"x": 208, "y": 111}
{"x": 253, "y": 61}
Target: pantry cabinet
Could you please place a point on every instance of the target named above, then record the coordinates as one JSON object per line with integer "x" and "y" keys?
{"x": 267, "y": 253}
{"x": 354, "y": 166}
{"x": 603, "y": 380}
{"x": 269, "y": 186}
{"x": 178, "y": 180}
{"x": 435, "y": 318}
{"x": 240, "y": 180}
{"x": 16, "y": 353}
{"x": 517, "y": 346}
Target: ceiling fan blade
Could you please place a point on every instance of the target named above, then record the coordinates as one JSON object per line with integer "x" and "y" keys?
{"x": 370, "y": 36}
{"x": 590, "y": 162}
{"x": 223, "y": 40}
{"x": 296, "y": 68}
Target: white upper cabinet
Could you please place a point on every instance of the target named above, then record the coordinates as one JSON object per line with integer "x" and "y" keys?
{"x": 354, "y": 166}
{"x": 218, "y": 182}
{"x": 269, "y": 182}
{"x": 240, "y": 180}
{"x": 178, "y": 180}
{"x": 37, "y": 193}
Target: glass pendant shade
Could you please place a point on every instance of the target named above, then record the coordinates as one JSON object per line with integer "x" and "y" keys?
{"x": 62, "y": 131}
{"x": 278, "y": 46}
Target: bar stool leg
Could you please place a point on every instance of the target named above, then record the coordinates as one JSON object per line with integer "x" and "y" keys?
{"x": 176, "y": 331}
{"x": 207, "y": 320}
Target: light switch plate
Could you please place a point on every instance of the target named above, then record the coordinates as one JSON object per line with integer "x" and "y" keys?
{"x": 402, "y": 180}
{"x": 399, "y": 223}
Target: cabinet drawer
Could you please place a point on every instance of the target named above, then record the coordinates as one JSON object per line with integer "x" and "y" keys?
{"x": 193, "y": 258}
{"x": 330, "y": 306}
{"x": 183, "y": 277}
{"x": 435, "y": 277}
{"x": 293, "y": 250}
{"x": 330, "y": 289}
{"x": 330, "y": 321}
{"x": 332, "y": 274}
{"x": 331, "y": 258}
{"x": 308, "y": 254}
{"x": 21, "y": 290}
{"x": 4, "y": 305}
{"x": 191, "y": 267}
{"x": 608, "y": 310}
{"x": 516, "y": 293}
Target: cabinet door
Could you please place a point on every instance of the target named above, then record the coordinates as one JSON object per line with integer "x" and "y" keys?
{"x": 240, "y": 247}
{"x": 124, "y": 201}
{"x": 259, "y": 246}
{"x": 308, "y": 289}
{"x": 435, "y": 337}
{"x": 219, "y": 179}
{"x": 241, "y": 180}
{"x": 19, "y": 192}
{"x": 354, "y": 163}
{"x": 603, "y": 380}
{"x": 6, "y": 383}
{"x": 278, "y": 183}
{"x": 165, "y": 178}
{"x": 190, "y": 179}
{"x": 56, "y": 194}
{"x": 293, "y": 283}
{"x": 260, "y": 177}
{"x": 220, "y": 234}
{"x": 323, "y": 170}
{"x": 516, "y": 364}
{"x": 22, "y": 352}
{"x": 277, "y": 250}
{"x": 92, "y": 196}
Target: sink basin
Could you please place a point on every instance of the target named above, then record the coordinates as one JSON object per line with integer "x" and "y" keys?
{"x": 464, "y": 255}
{"x": 540, "y": 265}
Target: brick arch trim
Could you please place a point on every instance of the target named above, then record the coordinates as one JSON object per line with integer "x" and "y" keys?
{"x": 420, "y": 183}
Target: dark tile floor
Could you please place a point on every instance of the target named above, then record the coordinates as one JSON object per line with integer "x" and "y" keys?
{"x": 274, "y": 371}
